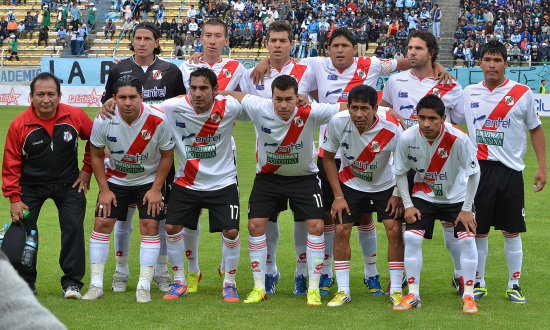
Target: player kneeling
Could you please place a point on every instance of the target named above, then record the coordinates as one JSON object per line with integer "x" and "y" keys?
{"x": 442, "y": 157}
{"x": 141, "y": 154}
{"x": 367, "y": 139}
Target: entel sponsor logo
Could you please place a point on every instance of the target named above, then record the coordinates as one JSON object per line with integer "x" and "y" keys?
{"x": 208, "y": 139}
{"x": 432, "y": 176}
{"x": 403, "y": 95}
{"x": 496, "y": 123}
{"x": 135, "y": 158}
{"x": 9, "y": 98}
{"x": 290, "y": 147}
{"x": 363, "y": 166}
{"x": 154, "y": 92}
{"x": 89, "y": 99}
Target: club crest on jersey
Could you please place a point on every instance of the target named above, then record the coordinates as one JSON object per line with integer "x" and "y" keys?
{"x": 509, "y": 100}
{"x": 436, "y": 92}
{"x": 375, "y": 146}
{"x": 157, "y": 74}
{"x": 361, "y": 74}
{"x": 215, "y": 117}
{"x": 67, "y": 136}
{"x": 146, "y": 134}
{"x": 442, "y": 153}
{"x": 298, "y": 121}
{"x": 226, "y": 73}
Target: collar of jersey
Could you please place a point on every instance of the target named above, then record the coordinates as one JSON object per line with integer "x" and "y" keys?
{"x": 134, "y": 60}
{"x": 209, "y": 111}
{"x": 499, "y": 86}
{"x": 420, "y": 78}
{"x": 441, "y": 132}
{"x": 209, "y": 64}
{"x": 136, "y": 120}
{"x": 281, "y": 69}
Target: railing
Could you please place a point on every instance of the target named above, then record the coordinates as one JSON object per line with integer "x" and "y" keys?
{"x": 179, "y": 14}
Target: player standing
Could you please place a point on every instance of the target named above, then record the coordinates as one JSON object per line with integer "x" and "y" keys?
{"x": 367, "y": 139}
{"x": 141, "y": 153}
{"x": 498, "y": 113}
{"x": 402, "y": 92}
{"x": 442, "y": 157}
{"x": 161, "y": 80}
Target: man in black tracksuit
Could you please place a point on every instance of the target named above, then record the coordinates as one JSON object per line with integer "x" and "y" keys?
{"x": 41, "y": 162}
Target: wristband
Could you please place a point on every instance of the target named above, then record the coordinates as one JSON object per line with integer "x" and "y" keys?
{"x": 339, "y": 197}
{"x": 396, "y": 192}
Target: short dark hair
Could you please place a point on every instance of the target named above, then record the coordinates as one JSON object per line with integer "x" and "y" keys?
{"x": 363, "y": 93}
{"x": 284, "y": 82}
{"x": 215, "y": 22}
{"x": 280, "y": 26}
{"x": 494, "y": 47}
{"x": 128, "y": 81}
{"x": 46, "y": 76}
{"x": 207, "y": 74}
{"x": 343, "y": 32}
{"x": 429, "y": 39}
{"x": 431, "y": 102}
{"x": 151, "y": 27}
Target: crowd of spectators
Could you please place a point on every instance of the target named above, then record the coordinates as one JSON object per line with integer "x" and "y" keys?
{"x": 522, "y": 25}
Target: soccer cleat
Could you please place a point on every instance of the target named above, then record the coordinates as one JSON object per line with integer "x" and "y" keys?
{"x": 72, "y": 292}
{"x": 469, "y": 305}
{"x": 230, "y": 293}
{"x": 119, "y": 282}
{"x": 515, "y": 295}
{"x": 404, "y": 284}
{"x": 93, "y": 293}
{"x": 255, "y": 296}
{"x": 176, "y": 290}
{"x": 479, "y": 291}
{"x": 221, "y": 273}
{"x": 270, "y": 282}
{"x": 314, "y": 297}
{"x": 458, "y": 283}
{"x": 408, "y": 302}
{"x": 193, "y": 280}
{"x": 163, "y": 281}
{"x": 325, "y": 283}
{"x": 373, "y": 283}
{"x": 396, "y": 298}
{"x": 143, "y": 295}
{"x": 339, "y": 299}
{"x": 300, "y": 285}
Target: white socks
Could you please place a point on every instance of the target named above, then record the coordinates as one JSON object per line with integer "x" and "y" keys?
{"x": 329, "y": 234}
{"x": 122, "y": 234}
{"x": 341, "y": 268}
{"x": 396, "y": 275}
{"x": 451, "y": 243}
{"x": 413, "y": 259}
{"x": 514, "y": 257}
{"x": 231, "y": 254}
{"x": 300, "y": 239}
{"x": 482, "y": 245}
{"x": 161, "y": 266}
{"x": 366, "y": 235}
{"x": 468, "y": 260}
{"x": 191, "y": 248}
{"x": 272, "y": 239}
{"x": 315, "y": 252}
{"x": 257, "y": 250}
{"x": 175, "y": 248}
{"x": 99, "y": 252}
{"x": 148, "y": 255}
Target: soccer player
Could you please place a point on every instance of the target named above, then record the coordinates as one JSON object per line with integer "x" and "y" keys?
{"x": 141, "y": 153}
{"x": 498, "y": 112}
{"x": 402, "y": 92}
{"x": 202, "y": 123}
{"x": 279, "y": 43}
{"x": 442, "y": 157}
{"x": 285, "y": 171}
{"x": 214, "y": 37}
{"x": 161, "y": 80}
{"x": 367, "y": 139}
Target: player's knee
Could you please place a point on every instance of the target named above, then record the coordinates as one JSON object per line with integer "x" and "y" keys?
{"x": 172, "y": 229}
{"x": 315, "y": 227}
{"x": 256, "y": 227}
{"x": 103, "y": 226}
{"x": 394, "y": 233}
{"x": 343, "y": 232}
{"x": 149, "y": 227}
{"x": 230, "y": 233}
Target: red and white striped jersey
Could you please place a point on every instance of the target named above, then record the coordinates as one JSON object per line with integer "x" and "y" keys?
{"x": 441, "y": 165}
{"x": 303, "y": 74}
{"x": 333, "y": 85}
{"x": 228, "y": 71}
{"x": 404, "y": 90}
{"x": 133, "y": 148}
{"x": 367, "y": 156}
{"x": 203, "y": 142}
{"x": 498, "y": 119}
{"x": 284, "y": 146}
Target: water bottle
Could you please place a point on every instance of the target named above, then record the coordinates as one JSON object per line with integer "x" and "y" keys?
{"x": 26, "y": 214}
{"x": 3, "y": 232}
{"x": 30, "y": 250}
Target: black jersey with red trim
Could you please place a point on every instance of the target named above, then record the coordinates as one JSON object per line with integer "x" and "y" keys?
{"x": 161, "y": 80}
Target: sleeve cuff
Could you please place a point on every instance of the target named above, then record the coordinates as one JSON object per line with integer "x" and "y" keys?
{"x": 16, "y": 198}
{"x": 87, "y": 168}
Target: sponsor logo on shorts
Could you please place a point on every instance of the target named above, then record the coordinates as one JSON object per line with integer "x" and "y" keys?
{"x": 490, "y": 137}
{"x": 200, "y": 152}
{"x": 282, "y": 159}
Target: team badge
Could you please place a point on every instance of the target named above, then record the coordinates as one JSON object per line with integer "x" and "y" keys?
{"x": 375, "y": 146}
{"x": 146, "y": 134}
{"x": 67, "y": 136}
{"x": 157, "y": 74}
{"x": 442, "y": 153}
{"x": 509, "y": 100}
{"x": 227, "y": 74}
{"x": 298, "y": 121}
{"x": 215, "y": 117}
{"x": 436, "y": 92}
{"x": 361, "y": 74}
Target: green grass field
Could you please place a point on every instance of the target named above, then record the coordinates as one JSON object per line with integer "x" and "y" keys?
{"x": 206, "y": 309}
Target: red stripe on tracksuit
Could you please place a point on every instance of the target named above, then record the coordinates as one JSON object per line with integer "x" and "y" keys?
{"x": 223, "y": 79}
{"x": 209, "y": 128}
{"x": 500, "y": 112}
{"x": 368, "y": 154}
{"x": 291, "y": 137}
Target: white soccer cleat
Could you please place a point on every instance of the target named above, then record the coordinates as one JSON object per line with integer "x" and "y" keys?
{"x": 143, "y": 295}
{"x": 72, "y": 292}
{"x": 93, "y": 293}
{"x": 119, "y": 282}
{"x": 163, "y": 281}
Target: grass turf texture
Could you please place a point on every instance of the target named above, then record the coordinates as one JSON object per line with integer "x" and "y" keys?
{"x": 441, "y": 306}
